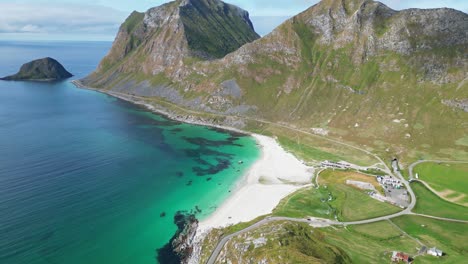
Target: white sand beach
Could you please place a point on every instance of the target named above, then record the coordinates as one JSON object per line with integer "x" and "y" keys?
{"x": 275, "y": 175}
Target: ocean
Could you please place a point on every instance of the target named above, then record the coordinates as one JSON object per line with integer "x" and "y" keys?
{"x": 88, "y": 178}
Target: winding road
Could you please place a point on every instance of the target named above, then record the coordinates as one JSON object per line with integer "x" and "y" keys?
{"x": 312, "y": 221}
{"x": 325, "y": 222}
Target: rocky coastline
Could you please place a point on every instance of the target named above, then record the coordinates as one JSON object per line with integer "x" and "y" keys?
{"x": 234, "y": 125}
{"x": 180, "y": 247}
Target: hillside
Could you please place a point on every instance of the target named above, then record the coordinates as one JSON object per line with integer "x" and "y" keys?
{"x": 161, "y": 41}
{"x": 391, "y": 81}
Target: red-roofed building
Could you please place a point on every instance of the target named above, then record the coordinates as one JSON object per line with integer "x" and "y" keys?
{"x": 401, "y": 257}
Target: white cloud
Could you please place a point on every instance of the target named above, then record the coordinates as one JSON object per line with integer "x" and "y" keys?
{"x": 101, "y": 18}
{"x": 59, "y": 19}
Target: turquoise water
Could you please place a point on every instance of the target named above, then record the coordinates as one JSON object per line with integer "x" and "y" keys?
{"x": 85, "y": 178}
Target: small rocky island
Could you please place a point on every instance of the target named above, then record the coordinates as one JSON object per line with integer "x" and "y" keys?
{"x": 46, "y": 69}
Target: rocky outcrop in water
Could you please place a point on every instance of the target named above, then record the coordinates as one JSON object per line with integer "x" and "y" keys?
{"x": 46, "y": 69}
{"x": 180, "y": 247}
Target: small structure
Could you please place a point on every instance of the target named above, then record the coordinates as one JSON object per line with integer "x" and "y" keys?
{"x": 335, "y": 165}
{"x": 435, "y": 252}
{"x": 400, "y": 256}
{"x": 389, "y": 180}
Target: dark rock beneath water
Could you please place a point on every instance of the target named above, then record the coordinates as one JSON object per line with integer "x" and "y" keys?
{"x": 180, "y": 247}
{"x": 46, "y": 69}
{"x": 163, "y": 214}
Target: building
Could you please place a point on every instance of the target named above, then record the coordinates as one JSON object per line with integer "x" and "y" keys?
{"x": 401, "y": 257}
{"x": 435, "y": 252}
{"x": 389, "y": 180}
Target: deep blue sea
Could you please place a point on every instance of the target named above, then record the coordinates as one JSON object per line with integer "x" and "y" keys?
{"x": 87, "y": 178}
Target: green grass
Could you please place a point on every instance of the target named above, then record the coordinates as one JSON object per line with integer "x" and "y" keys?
{"x": 448, "y": 236}
{"x": 445, "y": 176}
{"x": 306, "y": 202}
{"x": 382, "y": 230}
{"x": 307, "y": 153}
{"x": 214, "y": 31}
{"x": 285, "y": 241}
{"x": 312, "y": 148}
{"x": 430, "y": 204}
{"x": 347, "y": 203}
{"x": 370, "y": 243}
{"x": 132, "y": 21}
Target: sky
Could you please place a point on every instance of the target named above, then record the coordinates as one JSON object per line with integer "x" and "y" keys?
{"x": 100, "y": 19}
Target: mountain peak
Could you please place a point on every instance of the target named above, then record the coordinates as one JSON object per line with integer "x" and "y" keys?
{"x": 164, "y": 37}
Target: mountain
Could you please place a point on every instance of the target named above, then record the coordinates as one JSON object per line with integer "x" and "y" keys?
{"x": 392, "y": 81}
{"x": 46, "y": 69}
{"x": 165, "y": 38}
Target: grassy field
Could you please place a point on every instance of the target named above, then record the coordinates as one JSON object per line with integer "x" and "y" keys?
{"x": 448, "y": 236}
{"x": 370, "y": 243}
{"x": 334, "y": 199}
{"x": 450, "y": 180}
{"x": 313, "y": 148}
{"x": 431, "y": 204}
{"x": 382, "y": 230}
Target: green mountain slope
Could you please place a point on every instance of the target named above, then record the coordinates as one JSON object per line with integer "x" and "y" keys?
{"x": 160, "y": 40}
{"x": 391, "y": 81}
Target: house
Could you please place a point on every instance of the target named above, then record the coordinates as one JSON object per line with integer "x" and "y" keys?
{"x": 400, "y": 256}
{"x": 435, "y": 252}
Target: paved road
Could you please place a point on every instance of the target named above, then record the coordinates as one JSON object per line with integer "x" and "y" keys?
{"x": 397, "y": 172}
{"x": 324, "y": 222}
{"x": 442, "y": 218}
{"x": 224, "y": 240}
{"x": 412, "y": 178}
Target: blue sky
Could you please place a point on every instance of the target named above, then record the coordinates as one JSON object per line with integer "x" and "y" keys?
{"x": 100, "y": 19}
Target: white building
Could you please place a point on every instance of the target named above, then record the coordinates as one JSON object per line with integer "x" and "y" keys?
{"x": 435, "y": 252}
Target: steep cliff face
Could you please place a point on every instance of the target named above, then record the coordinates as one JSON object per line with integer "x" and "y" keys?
{"x": 355, "y": 68}
{"x": 163, "y": 39}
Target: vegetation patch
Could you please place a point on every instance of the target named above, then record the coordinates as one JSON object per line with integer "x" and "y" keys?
{"x": 450, "y": 237}
{"x": 446, "y": 178}
{"x": 368, "y": 246}
{"x": 282, "y": 241}
{"x": 382, "y": 230}
{"x": 334, "y": 200}
{"x": 431, "y": 204}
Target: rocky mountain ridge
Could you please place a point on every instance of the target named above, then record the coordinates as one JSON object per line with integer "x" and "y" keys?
{"x": 160, "y": 40}
{"x": 348, "y": 67}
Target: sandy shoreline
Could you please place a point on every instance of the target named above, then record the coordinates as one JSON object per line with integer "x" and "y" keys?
{"x": 272, "y": 177}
